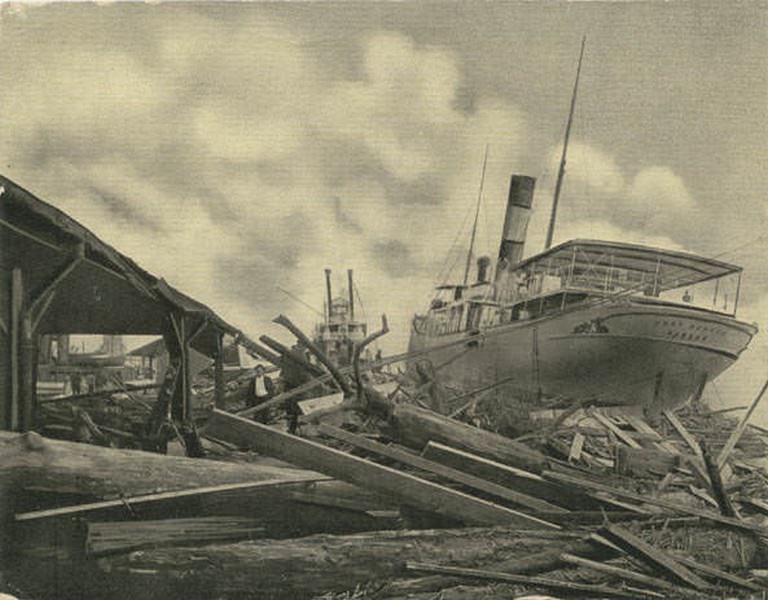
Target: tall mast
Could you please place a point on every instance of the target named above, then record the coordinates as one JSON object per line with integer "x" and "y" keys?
{"x": 561, "y": 171}
{"x": 477, "y": 214}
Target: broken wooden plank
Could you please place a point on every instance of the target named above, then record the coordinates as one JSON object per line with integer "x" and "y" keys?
{"x": 641, "y": 426}
{"x": 696, "y": 460}
{"x": 512, "y": 477}
{"x": 582, "y": 483}
{"x": 449, "y": 473}
{"x": 702, "y": 495}
{"x": 610, "y": 426}
{"x": 407, "y": 488}
{"x": 556, "y": 584}
{"x": 682, "y": 431}
{"x": 642, "y": 550}
{"x": 718, "y": 574}
{"x": 81, "y": 509}
{"x": 602, "y": 567}
{"x": 577, "y": 445}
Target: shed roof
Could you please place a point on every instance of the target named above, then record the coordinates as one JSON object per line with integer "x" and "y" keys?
{"x": 107, "y": 292}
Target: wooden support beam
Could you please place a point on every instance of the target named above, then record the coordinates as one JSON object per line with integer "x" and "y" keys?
{"x": 219, "y": 388}
{"x": 164, "y": 497}
{"x": 682, "y": 431}
{"x": 43, "y": 310}
{"x": 407, "y": 488}
{"x": 740, "y": 428}
{"x": 17, "y": 299}
{"x": 58, "y": 279}
{"x": 587, "y": 484}
{"x": 184, "y": 411}
{"x": 657, "y": 558}
{"x": 595, "y": 591}
{"x": 614, "y": 571}
{"x": 448, "y": 473}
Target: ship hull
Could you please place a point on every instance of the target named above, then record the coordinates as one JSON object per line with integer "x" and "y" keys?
{"x": 657, "y": 356}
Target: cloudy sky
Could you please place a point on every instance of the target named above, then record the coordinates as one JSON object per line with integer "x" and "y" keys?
{"x": 235, "y": 148}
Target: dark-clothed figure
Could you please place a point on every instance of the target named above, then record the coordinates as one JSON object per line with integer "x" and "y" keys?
{"x": 77, "y": 383}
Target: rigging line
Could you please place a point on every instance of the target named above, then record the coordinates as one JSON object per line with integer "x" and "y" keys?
{"x": 359, "y": 300}
{"x": 443, "y": 274}
{"x": 300, "y": 301}
{"x": 477, "y": 214}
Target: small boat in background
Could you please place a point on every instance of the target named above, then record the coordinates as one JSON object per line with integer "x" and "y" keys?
{"x": 337, "y": 333}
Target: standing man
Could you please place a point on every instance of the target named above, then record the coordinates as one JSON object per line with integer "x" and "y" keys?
{"x": 261, "y": 390}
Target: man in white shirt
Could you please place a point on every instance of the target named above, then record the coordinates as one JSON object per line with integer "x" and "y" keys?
{"x": 261, "y": 389}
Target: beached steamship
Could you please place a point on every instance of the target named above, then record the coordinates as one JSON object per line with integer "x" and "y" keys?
{"x": 609, "y": 322}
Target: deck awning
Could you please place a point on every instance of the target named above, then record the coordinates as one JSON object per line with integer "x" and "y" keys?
{"x": 106, "y": 292}
{"x": 671, "y": 269}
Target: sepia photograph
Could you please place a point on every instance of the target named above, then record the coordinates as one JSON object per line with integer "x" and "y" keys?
{"x": 356, "y": 300}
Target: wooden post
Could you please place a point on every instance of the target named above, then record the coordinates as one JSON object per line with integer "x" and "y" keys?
{"x": 180, "y": 393}
{"x": 17, "y": 296}
{"x": 28, "y": 369}
{"x": 218, "y": 372}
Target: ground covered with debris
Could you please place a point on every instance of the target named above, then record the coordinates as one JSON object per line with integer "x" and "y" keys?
{"x": 392, "y": 487}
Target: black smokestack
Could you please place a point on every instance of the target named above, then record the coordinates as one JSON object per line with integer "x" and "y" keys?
{"x": 516, "y": 221}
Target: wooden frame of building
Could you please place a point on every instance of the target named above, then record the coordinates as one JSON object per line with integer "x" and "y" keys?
{"x": 57, "y": 277}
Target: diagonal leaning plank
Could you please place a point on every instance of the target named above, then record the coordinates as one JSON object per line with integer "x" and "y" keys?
{"x": 639, "y": 548}
{"x": 449, "y": 473}
{"x": 406, "y": 488}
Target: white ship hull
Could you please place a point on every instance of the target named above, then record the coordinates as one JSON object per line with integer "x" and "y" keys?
{"x": 648, "y": 353}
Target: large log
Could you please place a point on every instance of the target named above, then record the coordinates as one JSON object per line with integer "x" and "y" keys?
{"x": 309, "y": 566}
{"x": 31, "y": 462}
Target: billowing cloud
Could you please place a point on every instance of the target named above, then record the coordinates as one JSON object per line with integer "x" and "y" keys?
{"x": 228, "y": 156}
{"x": 234, "y": 162}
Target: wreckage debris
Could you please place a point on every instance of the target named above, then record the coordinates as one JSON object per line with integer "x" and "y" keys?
{"x": 589, "y": 501}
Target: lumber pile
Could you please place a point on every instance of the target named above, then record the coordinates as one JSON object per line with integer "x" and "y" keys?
{"x": 380, "y": 496}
